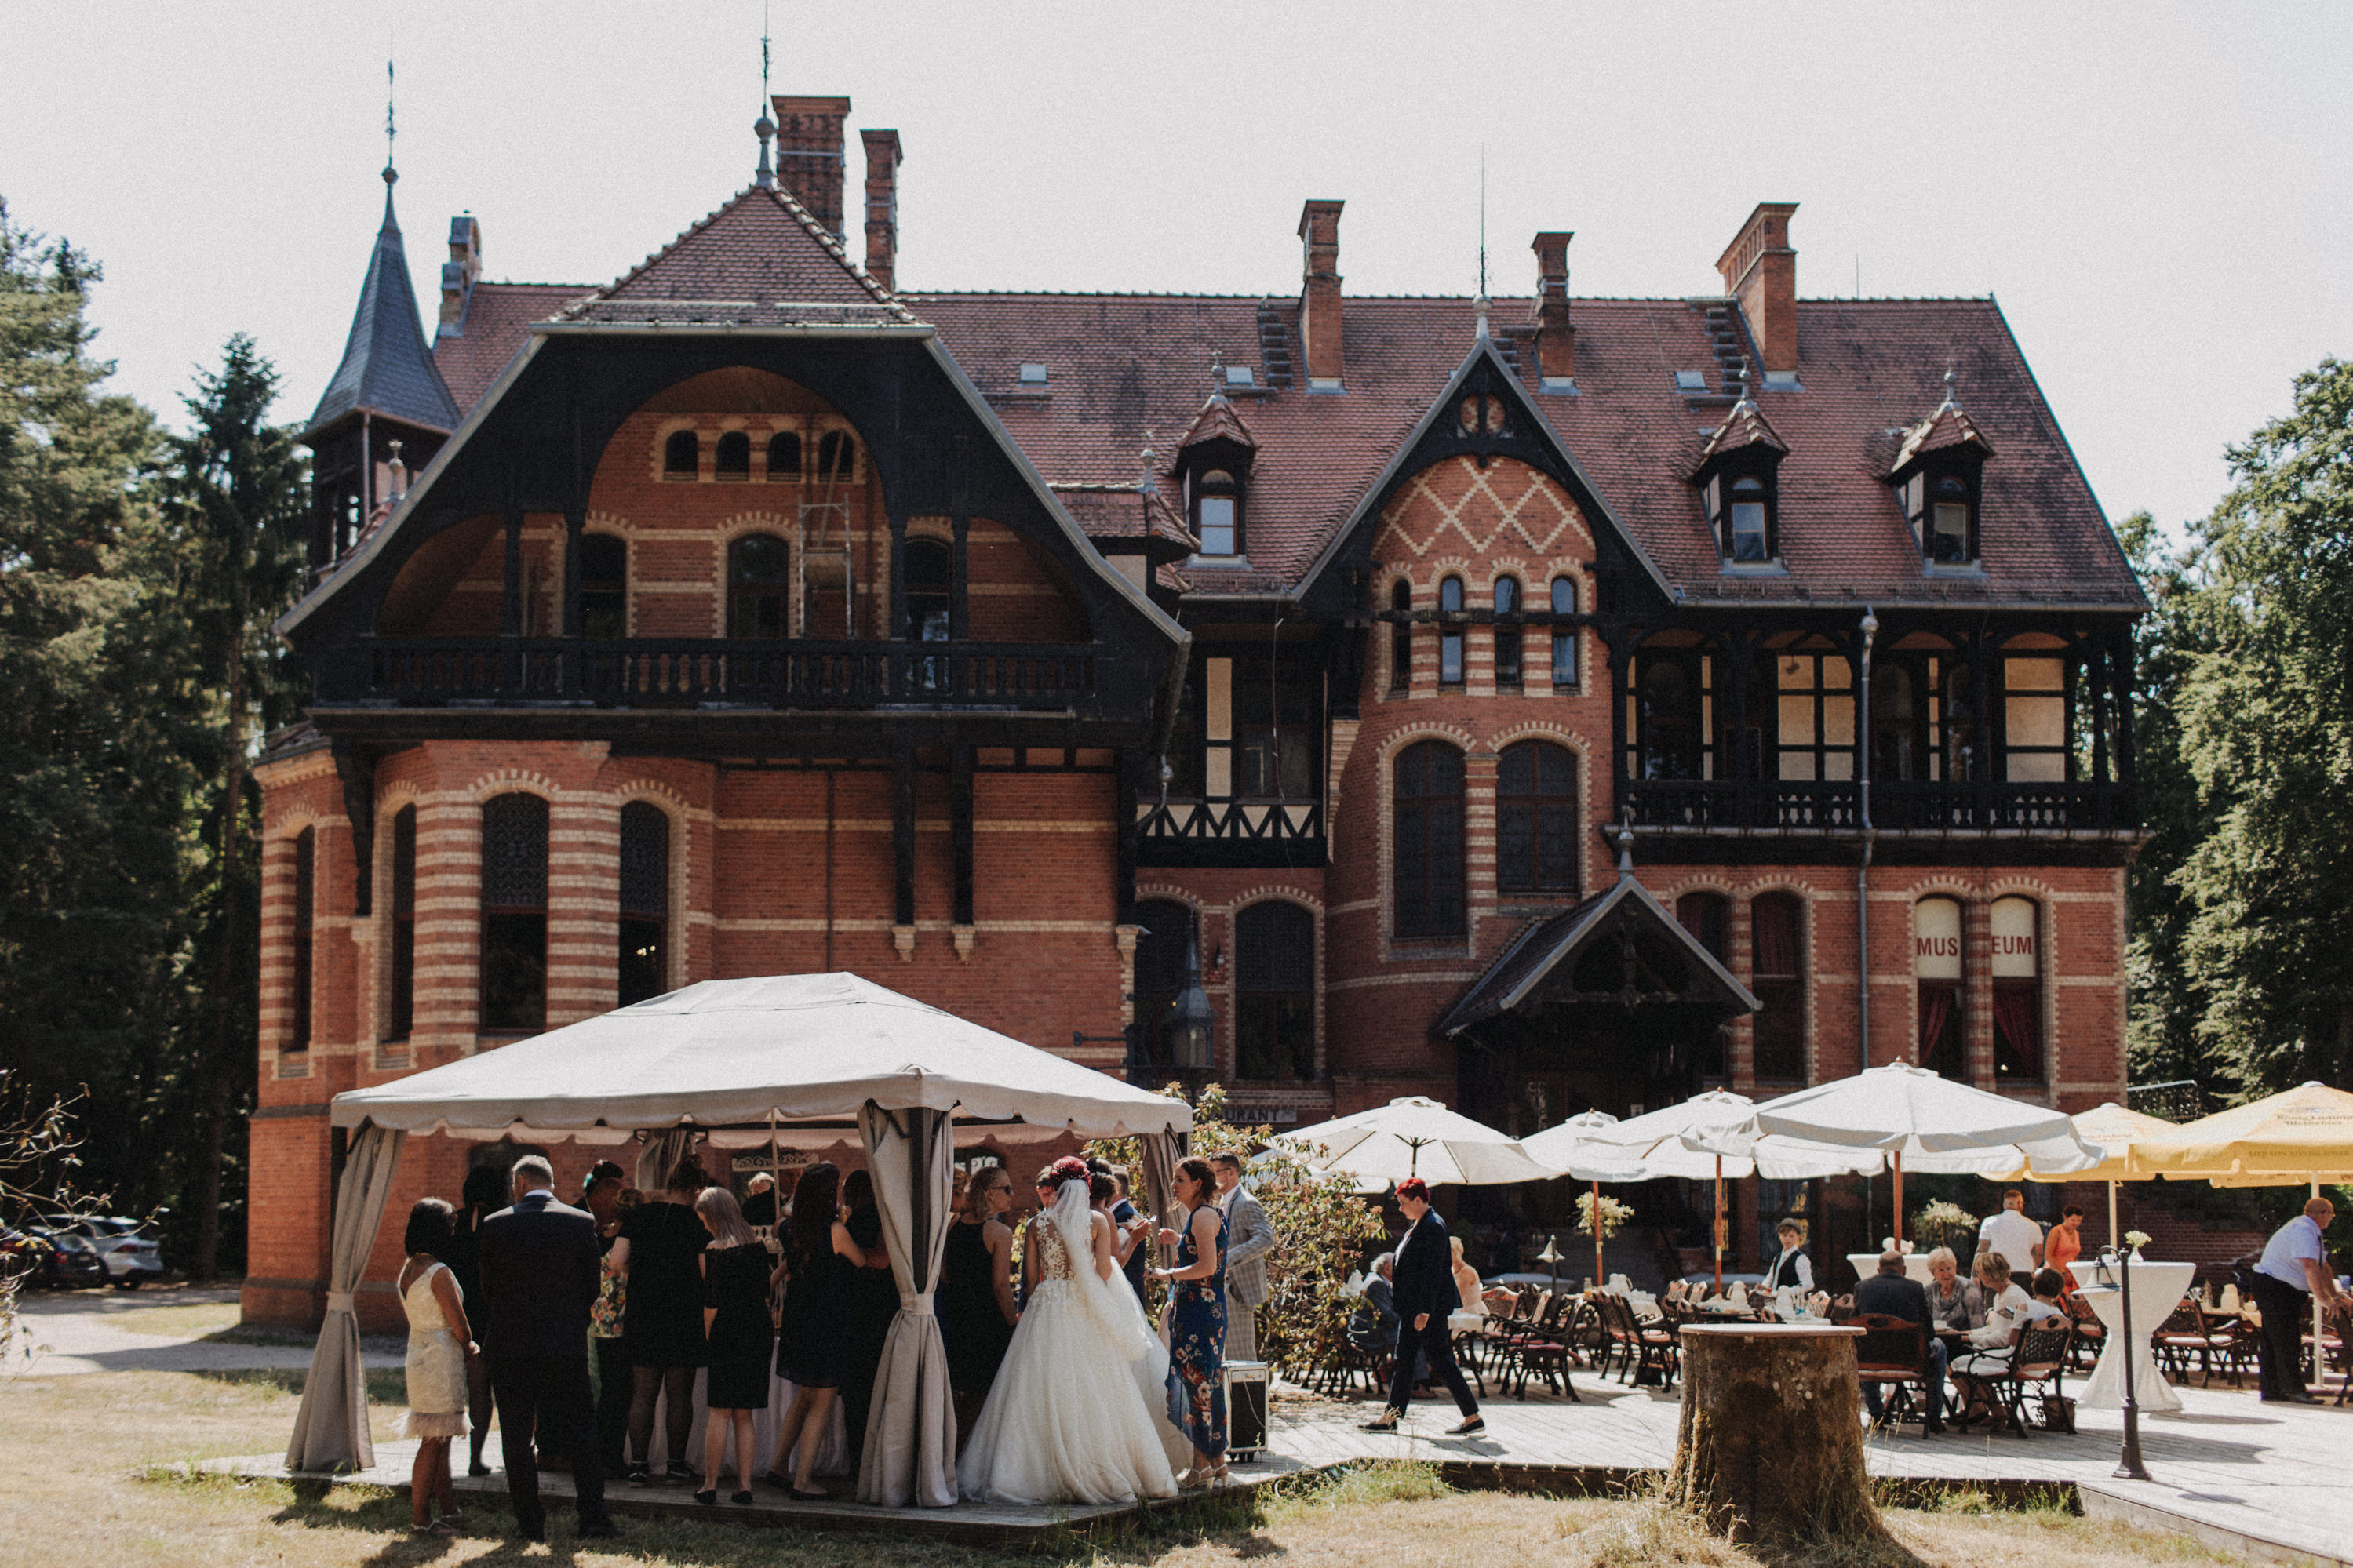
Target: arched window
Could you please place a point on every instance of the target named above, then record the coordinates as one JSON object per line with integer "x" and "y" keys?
{"x": 2017, "y": 991}
{"x": 1274, "y": 985}
{"x": 733, "y": 461}
{"x": 514, "y": 914}
{"x": 644, "y": 959}
{"x": 1777, "y": 938}
{"x": 930, "y": 582}
{"x": 1936, "y": 968}
{"x": 1428, "y": 858}
{"x": 681, "y": 456}
{"x": 785, "y": 454}
{"x": 400, "y": 1012}
{"x": 1450, "y": 633}
{"x": 1159, "y": 974}
{"x": 1400, "y": 636}
{"x": 1564, "y": 638}
{"x": 1535, "y": 819}
{"x": 837, "y": 455}
{"x": 604, "y": 585}
{"x": 1750, "y": 539}
{"x": 1507, "y": 633}
{"x": 1708, "y": 918}
{"x": 306, "y": 911}
{"x": 1218, "y": 513}
{"x": 758, "y": 587}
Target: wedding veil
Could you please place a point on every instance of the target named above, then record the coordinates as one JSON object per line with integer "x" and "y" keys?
{"x": 1108, "y": 1303}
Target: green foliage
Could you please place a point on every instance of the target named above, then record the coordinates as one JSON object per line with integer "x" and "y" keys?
{"x": 1324, "y": 1231}
{"x": 1942, "y": 1224}
{"x": 1610, "y": 1212}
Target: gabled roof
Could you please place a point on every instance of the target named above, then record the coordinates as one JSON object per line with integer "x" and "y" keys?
{"x": 387, "y": 369}
{"x": 1548, "y": 944}
{"x": 1746, "y": 427}
{"x": 1130, "y": 510}
{"x": 1217, "y": 422}
{"x": 759, "y": 260}
{"x": 497, "y": 319}
{"x": 1948, "y": 426}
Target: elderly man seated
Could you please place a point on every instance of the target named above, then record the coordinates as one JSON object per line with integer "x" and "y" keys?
{"x": 1890, "y": 1293}
{"x": 1379, "y": 1315}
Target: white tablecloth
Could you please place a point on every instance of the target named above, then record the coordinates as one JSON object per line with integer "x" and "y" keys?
{"x": 1866, "y": 1264}
{"x": 2157, "y": 1289}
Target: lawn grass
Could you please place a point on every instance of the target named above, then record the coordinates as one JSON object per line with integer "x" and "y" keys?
{"x": 101, "y": 1475}
{"x": 179, "y": 1322}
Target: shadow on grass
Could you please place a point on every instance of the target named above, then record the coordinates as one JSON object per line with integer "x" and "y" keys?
{"x": 386, "y": 1385}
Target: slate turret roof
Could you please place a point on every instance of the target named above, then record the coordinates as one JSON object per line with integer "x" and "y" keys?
{"x": 387, "y": 369}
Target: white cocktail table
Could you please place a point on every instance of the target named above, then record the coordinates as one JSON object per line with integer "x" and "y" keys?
{"x": 1915, "y": 1265}
{"x": 2157, "y": 1289}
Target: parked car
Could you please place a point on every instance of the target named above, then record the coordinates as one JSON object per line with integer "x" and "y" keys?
{"x": 129, "y": 1258}
{"x": 71, "y": 1261}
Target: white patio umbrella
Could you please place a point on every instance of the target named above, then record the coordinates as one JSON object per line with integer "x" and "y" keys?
{"x": 1565, "y": 1149}
{"x": 1414, "y": 1136}
{"x": 1663, "y": 1142}
{"x": 1915, "y": 1118}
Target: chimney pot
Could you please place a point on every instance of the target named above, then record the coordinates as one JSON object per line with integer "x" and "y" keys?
{"x": 883, "y": 156}
{"x": 1555, "y": 339}
{"x": 1319, "y": 300}
{"x": 458, "y": 273}
{"x": 1760, "y": 273}
{"x": 808, "y": 154}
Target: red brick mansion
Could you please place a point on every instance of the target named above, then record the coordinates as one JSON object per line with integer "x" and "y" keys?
{"x": 1537, "y": 703}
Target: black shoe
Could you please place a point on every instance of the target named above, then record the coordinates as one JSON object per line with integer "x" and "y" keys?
{"x": 539, "y": 1535}
{"x": 603, "y": 1530}
{"x": 740, "y": 1498}
{"x": 478, "y": 1469}
{"x": 640, "y": 1476}
{"x": 1471, "y": 1426}
{"x": 800, "y": 1496}
{"x": 1933, "y": 1429}
{"x": 1387, "y": 1422}
{"x": 708, "y": 1498}
{"x": 680, "y": 1472}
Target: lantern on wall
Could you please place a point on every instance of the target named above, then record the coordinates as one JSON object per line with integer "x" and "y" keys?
{"x": 1191, "y": 1022}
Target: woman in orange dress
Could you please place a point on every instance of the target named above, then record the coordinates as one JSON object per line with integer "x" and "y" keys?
{"x": 2065, "y": 1245}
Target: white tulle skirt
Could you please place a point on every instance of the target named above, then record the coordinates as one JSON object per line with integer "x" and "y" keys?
{"x": 1068, "y": 1419}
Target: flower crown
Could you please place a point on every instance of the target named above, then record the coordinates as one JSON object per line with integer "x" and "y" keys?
{"x": 1069, "y": 1168}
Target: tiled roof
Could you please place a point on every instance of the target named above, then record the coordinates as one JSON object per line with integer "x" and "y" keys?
{"x": 498, "y": 316}
{"x": 759, "y": 260}
{"x": 1129, "y": 367}
{"x": 1948, "y": 426}
{"x": 387, "y": 369}
{"x": 1745, "y": 427}
{"x": 1217, "y": 422}
{"x": 1129, "y": 510}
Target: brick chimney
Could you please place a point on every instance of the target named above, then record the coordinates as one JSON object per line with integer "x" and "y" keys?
{"x": 457, "y": 273}
{"x": 1555, "y": 339}
{"x": 883, "y": 159}
{"x": 1760, "y": 271}
{"x": 1319, "y": 299}
{"x": 808, "y": 154}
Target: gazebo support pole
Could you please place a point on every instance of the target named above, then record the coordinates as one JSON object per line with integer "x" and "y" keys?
{"x": 1715, "y": 1225}
{"x": 2113, "y": 1231}
{"x": 1898, "y": 1157}
{"x": 1598, "y": 1277}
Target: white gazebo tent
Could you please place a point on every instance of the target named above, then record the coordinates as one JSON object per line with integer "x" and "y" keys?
{"x": 798, "y": 1059}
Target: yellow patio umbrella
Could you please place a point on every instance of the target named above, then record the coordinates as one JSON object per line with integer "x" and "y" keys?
{"x": 2119, "y": 1132}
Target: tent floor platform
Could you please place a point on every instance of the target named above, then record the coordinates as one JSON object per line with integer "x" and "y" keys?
{"x": 967, "y": 1523}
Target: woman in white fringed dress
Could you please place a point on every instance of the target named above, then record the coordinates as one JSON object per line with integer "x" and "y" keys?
{"x": 439, "y": 1341}
{"x": 1071, "y": 1418}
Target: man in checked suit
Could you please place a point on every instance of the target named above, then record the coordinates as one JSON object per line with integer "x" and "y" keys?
{"x": 1248, "y": 1238}
{"x": 540, "y": 1273}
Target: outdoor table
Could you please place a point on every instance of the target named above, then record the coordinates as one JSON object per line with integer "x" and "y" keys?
{"x": 2157, "y": 1289}
{"x": 1915, "y": 1265}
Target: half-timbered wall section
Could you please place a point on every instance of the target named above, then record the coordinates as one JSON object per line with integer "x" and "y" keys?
{"x": 758, "y": 612}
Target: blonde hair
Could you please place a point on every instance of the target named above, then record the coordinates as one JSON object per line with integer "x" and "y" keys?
{"x": 718, "y": 1205}
{"x": 1993, "y": 1269}
{"x": 1942, "y": 1255}
{"x": 1454, "y": 1245}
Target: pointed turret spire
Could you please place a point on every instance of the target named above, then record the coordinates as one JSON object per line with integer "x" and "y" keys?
{"x": 387, "y": 369}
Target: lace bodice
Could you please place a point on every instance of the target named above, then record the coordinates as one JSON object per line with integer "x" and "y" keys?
{"x": 1053, "y": 1252}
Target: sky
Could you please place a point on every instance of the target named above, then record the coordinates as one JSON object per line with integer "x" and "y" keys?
{"x": 2157, "y": 195}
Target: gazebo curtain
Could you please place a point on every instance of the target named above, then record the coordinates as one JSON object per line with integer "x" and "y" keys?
{"x": 331, "y": 1430}
{"x": 910, "y": 1455}
{"x": 661, "y": 1156}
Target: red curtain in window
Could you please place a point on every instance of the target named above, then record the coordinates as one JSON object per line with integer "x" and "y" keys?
{"x": 1775, "y": 920}
{"x": 2014, "y": 1016}
{"x": 1936, "y": 1012}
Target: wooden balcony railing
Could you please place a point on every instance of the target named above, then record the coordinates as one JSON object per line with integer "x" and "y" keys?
{"x": 1767, "y": 806}
{"x": 690, "y": 673}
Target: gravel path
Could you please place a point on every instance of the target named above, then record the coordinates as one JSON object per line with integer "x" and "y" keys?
{"x": 73, "y": 1331}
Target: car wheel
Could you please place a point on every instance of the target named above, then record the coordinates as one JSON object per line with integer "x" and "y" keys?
{"x": 128, "y": 1282}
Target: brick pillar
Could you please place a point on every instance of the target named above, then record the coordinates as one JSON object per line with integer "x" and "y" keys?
{"x": 584, "y": 901}
{"x": 448, "y": 927}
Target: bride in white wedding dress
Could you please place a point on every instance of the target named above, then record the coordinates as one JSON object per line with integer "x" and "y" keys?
{"x": 1071, "y": 1418}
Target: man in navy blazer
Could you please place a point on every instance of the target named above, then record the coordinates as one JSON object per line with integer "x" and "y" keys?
{"x": 539, "y": 1275}
{"x": 1423, "y": 1288}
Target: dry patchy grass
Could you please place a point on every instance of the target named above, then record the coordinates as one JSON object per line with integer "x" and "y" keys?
{"x": 97, "y": 1475}
{"x": 193, "y": 1318}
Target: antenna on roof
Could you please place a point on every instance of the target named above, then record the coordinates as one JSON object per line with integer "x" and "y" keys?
{"x": 390, "y": 131}
{"x": 765, "y": 176}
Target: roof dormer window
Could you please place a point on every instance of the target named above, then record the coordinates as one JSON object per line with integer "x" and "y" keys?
{"x": 1938, "y": 480}
{"x": 1217, "y": 513}
{"x": 1751, "y": 538}
{"x": 1739, "y": 489}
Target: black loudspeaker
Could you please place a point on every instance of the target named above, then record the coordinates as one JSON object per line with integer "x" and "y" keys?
{"x": 1246, "y": 1386}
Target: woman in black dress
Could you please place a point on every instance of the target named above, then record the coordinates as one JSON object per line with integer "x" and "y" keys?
{"x": 976, "y": 1307}
{"x": 484, "y": 1194}
{"x": 735, "y": 1328}
{"x": 873, "y": 1302}
{"x": 659, "y": 1261}
{"x": 813, "y": 1344}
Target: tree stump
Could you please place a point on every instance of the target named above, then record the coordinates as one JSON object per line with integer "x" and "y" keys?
{"x": 1770, "y": 1451}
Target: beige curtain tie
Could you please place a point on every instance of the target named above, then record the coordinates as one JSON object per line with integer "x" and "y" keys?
{"x": 341, "y": 1302}
{"x": 917, "y": 1302}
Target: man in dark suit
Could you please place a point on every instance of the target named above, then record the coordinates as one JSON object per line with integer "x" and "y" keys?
{"x": 1889, "y": 1292}
{"x": 539, "y": 1273}
{"x": 1423, "y": 1288}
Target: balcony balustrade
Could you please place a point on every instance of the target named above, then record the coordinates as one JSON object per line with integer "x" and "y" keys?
{"x": 1771, "y": 807}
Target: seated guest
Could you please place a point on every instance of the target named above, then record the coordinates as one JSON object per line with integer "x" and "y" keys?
{"x": 1381, "y": 1302}
{"x": 1466, "y": 1280}
{"x": 1889, "y": 1292}
{"x": 1948, "y": 1297}
{"x": 760, "y": 1201}
{"x": 1792, "y": 1267}
{"x": 2009, "y": 1311}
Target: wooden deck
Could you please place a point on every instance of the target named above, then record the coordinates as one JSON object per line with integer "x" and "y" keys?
{"x": 2263, "y": 1479}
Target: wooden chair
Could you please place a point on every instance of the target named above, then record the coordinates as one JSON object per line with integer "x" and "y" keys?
{"x": 1892, "y": 1351}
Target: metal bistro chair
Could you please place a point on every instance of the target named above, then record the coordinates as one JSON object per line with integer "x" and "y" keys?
{"x": 2184, "y": 1334}
{"x": 1511, "y": 1335}
{"x": 2039, "y": 1363}
{"x": 1547, "y": 1351}
{"x": 1892, "y": 1351}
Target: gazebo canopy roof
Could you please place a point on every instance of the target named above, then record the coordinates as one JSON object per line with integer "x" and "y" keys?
{"x": 732, "y": 1056}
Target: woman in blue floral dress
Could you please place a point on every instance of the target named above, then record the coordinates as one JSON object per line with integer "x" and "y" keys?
{"x": 1196, "y": 1323}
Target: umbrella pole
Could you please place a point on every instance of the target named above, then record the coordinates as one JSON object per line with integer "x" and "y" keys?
{"x": 1715, "y": 1224}
{"x": 1899, "y": 1200}
{"x": 2319, "y": 1361}
{"x": 1598, "y": 1276}
{"x": 2113, "y": 1232}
